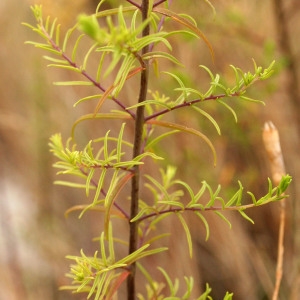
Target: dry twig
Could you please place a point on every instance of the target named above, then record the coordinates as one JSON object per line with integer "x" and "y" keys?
{"x": 273, "y": 149}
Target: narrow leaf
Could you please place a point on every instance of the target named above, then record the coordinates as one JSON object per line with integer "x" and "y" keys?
{"x": 252, "y": 100}
{"x": 114, "y": 189}
{"x": 223, "y": 217}
{"x": 86, "y": 57}
{"x": 53, "y": 27}
{"x": 72, "y": 184}
{"x": 88, "y": 181}
{"x": 149, "y": 102}
{"x": 236, "y": 198}
{"x": 188, "y": 130}
{"x": 190, "y": 191}
{"x": 186, "y": 23}
{"x": 67, "y": 36}
{"x": 87, "y": 117}
{"x": 245, "y": 216}
{"x": 209, "y": 117}
{"x": 187, "y": 233}
{"x": 73, "y": 57}
{"x": 102, "y": 99}
{"x": 172, "y": 288}
{"x": 66, "y": 67}
{"x": 55, "y": 60}
{"x": 116, "y": 285}
{"x": 57, "y": 35}
{"x": 99, "y": 185}
{"x": 153, "y": 142}
{"x": 87, "y": 98}
{"x": 204, "y": 222}
{"x": 159, "y": 54}
{"x": 229, "y": 108}
{"x": 119, "y": 143}
{"x": 64, "y": 83}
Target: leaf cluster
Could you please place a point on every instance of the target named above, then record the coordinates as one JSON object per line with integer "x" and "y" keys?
{"x": 155, "y": 289}
{"x": 101, "y": 276}
{"x": 101, "y": 169}
{"x": 172, "y": 196}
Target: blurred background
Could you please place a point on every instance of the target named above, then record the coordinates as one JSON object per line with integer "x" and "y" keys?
{"x": 35, "y": 236}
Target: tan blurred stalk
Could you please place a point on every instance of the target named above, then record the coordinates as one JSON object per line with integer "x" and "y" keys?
{"x": 273, "y": 149}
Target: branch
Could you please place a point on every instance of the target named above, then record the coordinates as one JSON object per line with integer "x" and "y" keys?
{"x": 82, "y": 72}
{"x": 189, "y": 103}
{"x": 137, "y": 147}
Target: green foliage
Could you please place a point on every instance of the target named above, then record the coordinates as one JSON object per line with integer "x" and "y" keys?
{"x": 101, "y": 168}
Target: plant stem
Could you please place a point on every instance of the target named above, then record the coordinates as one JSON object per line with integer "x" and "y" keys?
{"x": 139, "y": 123}
{"x": 273, "y": 149}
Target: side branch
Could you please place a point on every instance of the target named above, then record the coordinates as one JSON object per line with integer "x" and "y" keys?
{"x": 189, "y": 103}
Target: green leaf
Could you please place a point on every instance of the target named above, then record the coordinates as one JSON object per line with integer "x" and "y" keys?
{"x": 53, "y": 28}
{"x": 119, "y": 144}
{"x": 89, "y": 25}
{"x": 66, "y": 39}
{"x": 209, "y": 117}
{"x": 152, "y": 39}
{"x": 190, "y": 191}
{"x": 190, "y": 283}
{"x": 116, "y": 185}
{"x": 159, "y": 54}
{"x": 146, "y": 275}
{"x": 246, "y": 216}
{"x": 87, "y": 98}
{"x": 253, "y": 198}
{"x": 202, "y": 218}
{"x": 223, "y": 217}
{"x": 86, "y": 57}
{"x": 102, "y": 248}
{"x": 127, "y": 66}
{"x": 228, "y": 296}
{"x": 181, "y": 84}
{"x": 201, "y": 191}
{"x": 145, "y": 154}
{"x": 205, "y": 295}
{"x": 101, "y": 116}
{"x": 161, "y": 188}
{"x": 140, "y": 253}
{"x": 149, "y": 102}
{"x": 183, "y": 128}
{"x": 144, "y": 211}
{"x": 229, "y": 108}
{"x": 208, "y": 71}
{"x": 72, "y": 184}
{"x": 236, "y": 198}
{"x": 213, "y": 195}
{"x": 67, "y": 83}
{"x": 99, "y": 185}
{"x": 187, "y": 24}
{"x": 283, "y": 184}
{"x": 172, "y": 287}
{"x": 88, "y": 181}
{"x": 156, "y": 140}
{"x": 47, "y": 48}
{"x": 70, "y": 68}
{"x": 173, "y": 204}
{"x": 56, "y": 60}
{"x": 187, "y": 233}
{"x": 252, "y": 100}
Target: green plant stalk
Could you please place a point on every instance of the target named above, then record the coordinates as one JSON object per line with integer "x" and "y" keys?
{"x": 135, "y": 182}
